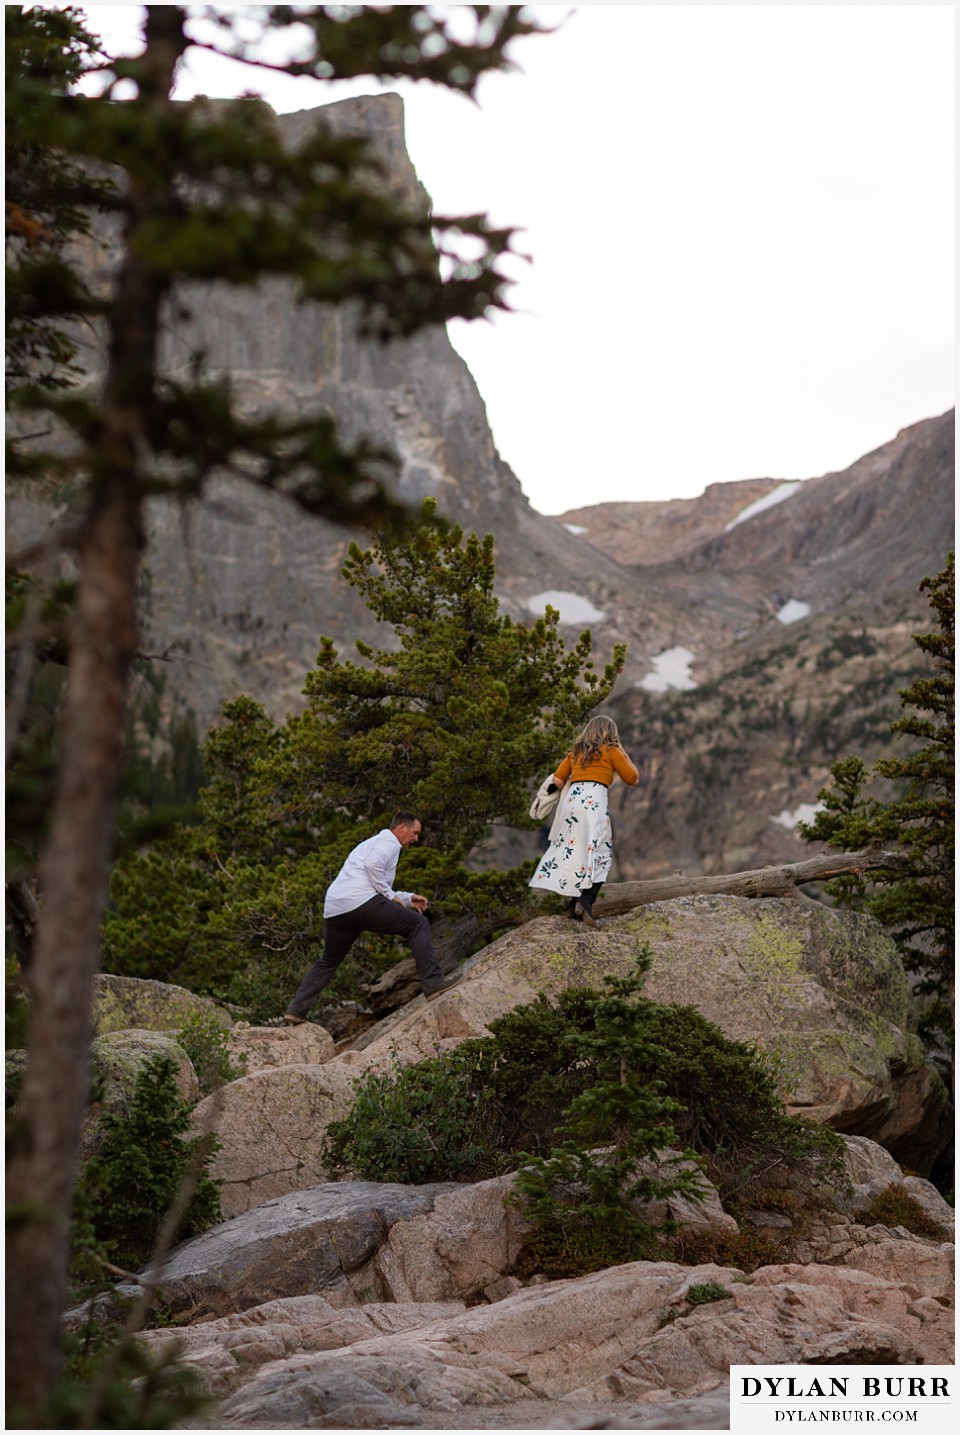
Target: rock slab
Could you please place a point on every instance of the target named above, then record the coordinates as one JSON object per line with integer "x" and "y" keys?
{"x": 627, "y": 1338}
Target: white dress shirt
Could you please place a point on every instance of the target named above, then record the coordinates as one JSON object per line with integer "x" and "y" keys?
{"x": 370, "y": 869}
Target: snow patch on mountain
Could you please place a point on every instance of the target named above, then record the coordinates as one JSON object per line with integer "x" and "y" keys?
{"x": 759, "y": 505}
{"x": 793, "y": 611}
{"x": 671, "y": 669}
{"x": 806, "y": 812}
{"x": 572, "y": 607}
{"x": 576, "y": 529}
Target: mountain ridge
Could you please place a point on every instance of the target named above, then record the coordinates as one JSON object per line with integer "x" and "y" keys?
{"x": 238, "y": 589}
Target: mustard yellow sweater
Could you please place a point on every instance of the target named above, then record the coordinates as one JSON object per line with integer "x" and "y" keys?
{"x": 601, "y": 769}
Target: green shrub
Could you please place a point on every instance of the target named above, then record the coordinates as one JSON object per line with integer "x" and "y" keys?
{"x": 732, "y": 1111}
{"x": 896, "y": 1207}
{"x": 417, "y": 1123}
{"x": 575, "y": 1094}
{"x": 504, "y": 1099}
{"x": 577, "y": 1190}
{"x": 576, "y": 1247}
{"x": 206, "y": 1042}
{"x": 706, "y": 1292}
{"x": 746, "y": 1250}
{"x": 127, "y": 1189}
{"x": 467, "y": 1114}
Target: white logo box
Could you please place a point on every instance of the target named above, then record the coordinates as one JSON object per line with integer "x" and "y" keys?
{"x": 776, "y": 1398}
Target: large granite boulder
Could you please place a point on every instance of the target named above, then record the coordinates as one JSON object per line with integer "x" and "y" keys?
{"x": 116, "y": 1059}
{"x": 585, "y": 1351}
{"x": 270, "y": 1125}
{"x": 253, "y": 1047}
{"x": 873, "y": 1171}
{"x": 894, "y": 1253}
{"x": 226, "y": 1351}
{"x": 823, "y": 992}
{"x": 320, "y": 1241}
{"x": 120, "y": 1003}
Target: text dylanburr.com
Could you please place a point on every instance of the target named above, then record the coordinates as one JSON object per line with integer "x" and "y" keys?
{"x": 767, "y": 1398}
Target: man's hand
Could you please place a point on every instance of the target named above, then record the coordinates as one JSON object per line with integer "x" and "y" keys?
{"x": 420, "y": 903}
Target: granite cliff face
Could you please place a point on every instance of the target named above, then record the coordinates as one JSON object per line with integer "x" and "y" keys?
{"x": 768, "y": 626}
{"x": 244, "y": 584}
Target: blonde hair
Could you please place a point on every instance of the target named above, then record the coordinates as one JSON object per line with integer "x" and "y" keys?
{"x": 600, "y": 732}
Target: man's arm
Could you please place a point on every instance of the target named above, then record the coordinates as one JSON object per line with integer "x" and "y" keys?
{"x": 381, "y": 869}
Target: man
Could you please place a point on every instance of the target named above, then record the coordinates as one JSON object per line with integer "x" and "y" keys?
{"x": 361, "y": 899}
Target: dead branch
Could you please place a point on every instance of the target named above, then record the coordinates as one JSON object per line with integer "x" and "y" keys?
{"x": 782, "y": 881}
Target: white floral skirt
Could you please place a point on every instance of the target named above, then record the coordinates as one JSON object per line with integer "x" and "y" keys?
{"x": 581, "y": 851}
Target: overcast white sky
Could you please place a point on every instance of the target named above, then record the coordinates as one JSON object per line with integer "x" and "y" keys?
{"x": 741, "y": 219}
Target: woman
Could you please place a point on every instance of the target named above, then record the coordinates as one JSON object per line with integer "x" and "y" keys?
{"x": 578, "y": 858}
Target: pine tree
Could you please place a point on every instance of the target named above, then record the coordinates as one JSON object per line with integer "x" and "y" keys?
{"x": 915, "y": 900}
{"x": 452, "y": 721}
{"x": 144, "y": 1156}
{"x": 585, "y": 1191}
{"x": 50, "y": 197}
{"x": 201, "y": 195}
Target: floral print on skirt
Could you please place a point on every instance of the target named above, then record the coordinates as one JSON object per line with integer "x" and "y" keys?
{"x": 581, "y": 852}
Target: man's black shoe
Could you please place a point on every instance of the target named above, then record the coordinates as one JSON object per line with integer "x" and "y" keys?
{"x": 443, "y": 987}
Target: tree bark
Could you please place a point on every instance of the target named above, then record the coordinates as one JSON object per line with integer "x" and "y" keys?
{"x": 783, "y": 881}
{"x": 74, "y": 867}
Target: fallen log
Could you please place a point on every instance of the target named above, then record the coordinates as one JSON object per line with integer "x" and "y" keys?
{"x": 782, "y": 881}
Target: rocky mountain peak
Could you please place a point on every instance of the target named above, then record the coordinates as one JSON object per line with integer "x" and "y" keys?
{"x": 768, "y": 625}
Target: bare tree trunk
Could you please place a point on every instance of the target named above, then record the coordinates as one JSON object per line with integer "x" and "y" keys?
{"x": 23, "y": 919}
{"x": 74, "y": 867}
{"x": 783, "y": 881}
{"x": 73, "y": 883}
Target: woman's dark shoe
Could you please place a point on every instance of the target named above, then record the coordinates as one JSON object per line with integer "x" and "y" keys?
{"x": 584, "y": 915}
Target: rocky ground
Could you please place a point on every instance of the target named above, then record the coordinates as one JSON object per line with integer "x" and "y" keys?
{"x": 355, "y": 1304}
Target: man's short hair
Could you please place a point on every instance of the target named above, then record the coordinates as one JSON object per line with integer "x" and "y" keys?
{"x": 403, "y": 819}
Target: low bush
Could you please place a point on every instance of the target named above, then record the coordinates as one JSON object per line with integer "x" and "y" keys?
{"x": 427, "y": 1122}
{"x": 746, "y": 1250}
{"x": 206, "y": 1042}
{"x": 125, "y": 1192}
{"x": 578, "y": 1247}
{"x": 706, "y": 1292}
{"x": 575, "y": 1094}
{"x": 896, "y": 1207}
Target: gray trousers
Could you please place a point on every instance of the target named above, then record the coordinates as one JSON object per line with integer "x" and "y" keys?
{"x": 378, "y": 914}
